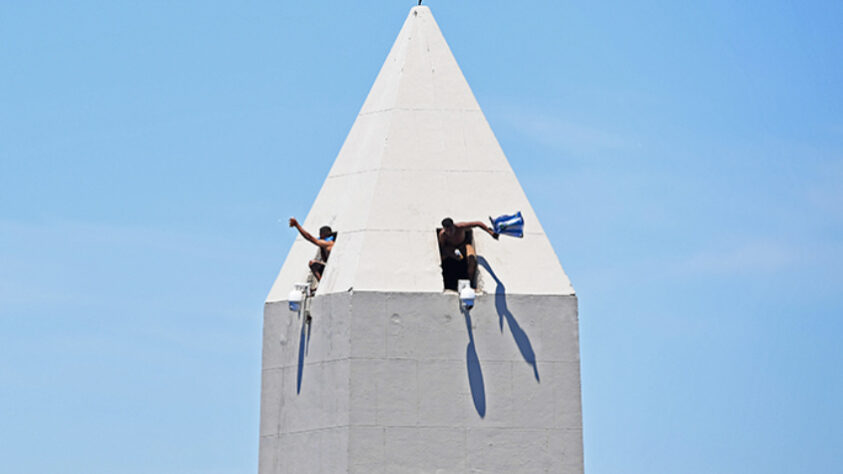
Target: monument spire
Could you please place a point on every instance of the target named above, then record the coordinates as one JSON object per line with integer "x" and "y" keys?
{"x": 419, "y": 150}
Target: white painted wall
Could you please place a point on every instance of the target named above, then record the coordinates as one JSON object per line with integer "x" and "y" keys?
{"x": 392, "y": 382}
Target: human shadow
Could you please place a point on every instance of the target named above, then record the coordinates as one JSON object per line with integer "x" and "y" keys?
{"x": 304, "y": 342}
{"x": 475, "y": 374}
{"x": 521, "y": 339}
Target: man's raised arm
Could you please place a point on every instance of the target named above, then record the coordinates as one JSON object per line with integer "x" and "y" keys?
{"x": 307, "y": 236}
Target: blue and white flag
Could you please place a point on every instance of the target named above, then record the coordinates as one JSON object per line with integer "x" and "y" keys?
{"x": 509, "y": 224}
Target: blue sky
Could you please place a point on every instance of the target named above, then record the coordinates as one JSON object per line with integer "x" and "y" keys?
{"x": 685, "y": 160}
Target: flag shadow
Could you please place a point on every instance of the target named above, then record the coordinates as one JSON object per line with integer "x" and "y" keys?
{"x": 521, "y": 339}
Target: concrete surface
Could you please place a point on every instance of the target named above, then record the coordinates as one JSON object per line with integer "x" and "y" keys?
{"x": 405, "y": 382}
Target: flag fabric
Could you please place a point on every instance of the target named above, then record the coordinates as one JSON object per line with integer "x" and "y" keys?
{"x": 512, "y": 224}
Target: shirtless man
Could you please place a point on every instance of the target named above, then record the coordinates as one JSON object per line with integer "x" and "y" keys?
{"x": 325, "y": 242}
{"x": 455, "y": 242}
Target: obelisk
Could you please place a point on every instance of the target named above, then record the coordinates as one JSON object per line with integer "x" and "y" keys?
{"x": 391, "y": 375}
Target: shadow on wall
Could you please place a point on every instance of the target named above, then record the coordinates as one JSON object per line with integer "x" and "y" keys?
{"x": 475, "y": 374}
{"x": 304, "y": 342}
{"x": 518, "y": 334}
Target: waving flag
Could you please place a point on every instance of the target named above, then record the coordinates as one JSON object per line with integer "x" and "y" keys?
{"x": 509, "y": 224}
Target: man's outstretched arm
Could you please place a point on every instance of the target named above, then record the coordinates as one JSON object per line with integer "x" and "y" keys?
{"x": 469, "y": 225}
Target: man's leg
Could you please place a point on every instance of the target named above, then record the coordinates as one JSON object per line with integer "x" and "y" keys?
{"x": 317, "y": 268}
{"x": 471, "y": 262}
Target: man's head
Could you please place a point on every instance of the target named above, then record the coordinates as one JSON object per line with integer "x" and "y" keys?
{"x": 448, "y": 225}
{"x": 325, "y": 232}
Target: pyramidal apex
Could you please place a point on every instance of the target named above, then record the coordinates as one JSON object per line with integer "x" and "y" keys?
{"x": 420, "y": 150}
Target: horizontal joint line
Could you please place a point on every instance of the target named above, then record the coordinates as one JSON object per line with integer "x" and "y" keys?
{"x": 417, "y": 170}
{"x": 414, "y": 109}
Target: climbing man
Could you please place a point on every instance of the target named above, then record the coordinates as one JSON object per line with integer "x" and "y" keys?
{"x": 455, "y": 242}
{"x": 325, "y": 242}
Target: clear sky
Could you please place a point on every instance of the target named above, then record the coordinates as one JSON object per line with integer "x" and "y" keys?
{"x": 685, "y": 159}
